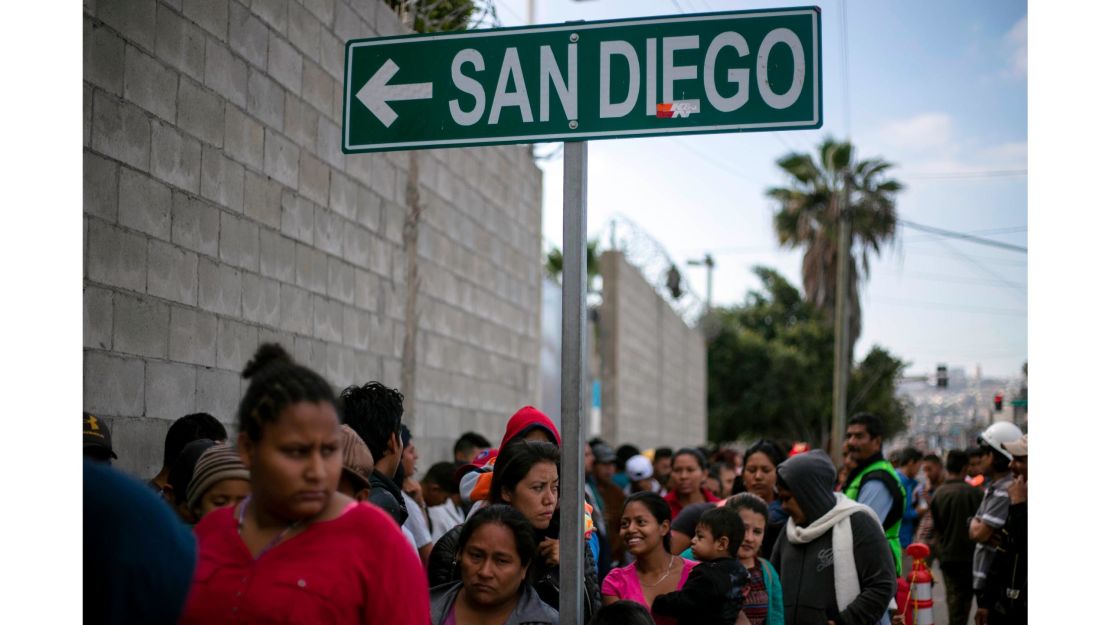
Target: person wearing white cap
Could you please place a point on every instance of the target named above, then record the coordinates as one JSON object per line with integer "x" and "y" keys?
{"x": 639, "y": 471}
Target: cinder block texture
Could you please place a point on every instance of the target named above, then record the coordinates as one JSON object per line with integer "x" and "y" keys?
{"x": 653, "y": 380}
{"x": 221, "y": 213}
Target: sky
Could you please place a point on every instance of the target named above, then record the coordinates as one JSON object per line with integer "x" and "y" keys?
{"x": 957, "y": 74}
{"x": 937, "y": 88}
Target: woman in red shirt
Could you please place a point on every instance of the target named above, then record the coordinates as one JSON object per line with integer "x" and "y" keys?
{"x": 297, "y": 551}
{"x": 687, "y": 475}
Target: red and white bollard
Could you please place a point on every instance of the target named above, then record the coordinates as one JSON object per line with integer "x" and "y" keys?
{"x": 920, "y": 603}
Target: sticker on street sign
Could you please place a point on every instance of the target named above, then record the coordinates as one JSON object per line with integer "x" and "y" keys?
{"x": 709, "y": 73}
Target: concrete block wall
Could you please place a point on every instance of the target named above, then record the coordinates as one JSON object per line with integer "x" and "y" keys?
{"x": 653, "y": 366}
{"x": 220, "y": 213}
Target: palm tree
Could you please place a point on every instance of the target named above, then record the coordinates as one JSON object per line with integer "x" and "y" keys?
{"x": 553, "y": 264}
{"x": 807, "y": 217}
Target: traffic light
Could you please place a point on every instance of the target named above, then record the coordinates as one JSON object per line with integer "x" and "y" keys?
{"x": 998, "y": 402}
{"x": 942, "y": 376}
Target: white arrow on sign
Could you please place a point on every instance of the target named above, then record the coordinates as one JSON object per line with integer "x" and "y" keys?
{"x": 376, "y": 94}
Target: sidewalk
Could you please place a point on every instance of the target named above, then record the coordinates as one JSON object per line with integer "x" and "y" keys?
{"x": 940, "y": 605}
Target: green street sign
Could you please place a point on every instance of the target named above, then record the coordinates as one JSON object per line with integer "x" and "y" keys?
{"x": 715, "y": 72}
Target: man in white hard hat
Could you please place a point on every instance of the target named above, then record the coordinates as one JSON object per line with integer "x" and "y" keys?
{"x": 992, "y": 513}
{"x": 1005, "y": 598}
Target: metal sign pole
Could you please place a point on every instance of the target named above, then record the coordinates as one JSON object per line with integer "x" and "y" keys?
{"x": 571, "y": 495}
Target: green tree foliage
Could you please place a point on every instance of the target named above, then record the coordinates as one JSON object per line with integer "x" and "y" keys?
{"x": 872, "y": 389}
{"x": 427, "y": 16}
{"x": 553, "y": 264}
{"x": 807, "y": 217}
{"x": 770, "y": 366}
{"x": 770, "y": 369}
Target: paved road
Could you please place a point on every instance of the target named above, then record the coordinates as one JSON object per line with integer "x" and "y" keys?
{"x": 940, "y": 606}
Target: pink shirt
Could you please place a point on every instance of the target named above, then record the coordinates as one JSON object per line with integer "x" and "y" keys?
{"x": 624, "y": 583}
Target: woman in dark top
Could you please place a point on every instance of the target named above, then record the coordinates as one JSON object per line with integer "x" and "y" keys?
{"x": 496, "y": 547}
{"x": 526, "y": 477}
{"x": 759, "y": 478}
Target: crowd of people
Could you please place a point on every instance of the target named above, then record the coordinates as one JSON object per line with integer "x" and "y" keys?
{"x": 316, "y": 512}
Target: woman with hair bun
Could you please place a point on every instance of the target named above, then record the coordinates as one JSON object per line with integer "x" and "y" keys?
{"x": 296, "y": 550}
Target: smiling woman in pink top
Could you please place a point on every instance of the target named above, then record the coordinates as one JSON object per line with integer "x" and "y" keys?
{"x": 645, "y": 529}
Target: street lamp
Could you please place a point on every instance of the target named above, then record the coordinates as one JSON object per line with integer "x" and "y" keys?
{"x": 708, "y": 263}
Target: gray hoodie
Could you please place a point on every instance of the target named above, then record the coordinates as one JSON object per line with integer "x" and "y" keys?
{"x": 529, "y": 610}
{"x": 806, "y": 571}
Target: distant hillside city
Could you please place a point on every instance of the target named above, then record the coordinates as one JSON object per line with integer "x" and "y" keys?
{"x": 951, "y": 417}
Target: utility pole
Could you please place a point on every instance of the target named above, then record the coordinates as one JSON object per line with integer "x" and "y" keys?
{"x": 842, "y": 363}
{"x": 709, "y": 264}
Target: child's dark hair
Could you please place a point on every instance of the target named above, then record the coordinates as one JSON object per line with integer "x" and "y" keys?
{"x": 956, "y": 462}
{"x": 442, "y": 474}
{"x": 749, "y": 501}
{"x": 513, "y": 520}
{"x": 188, "y": 429}
{"x": 722, "y": 522}
{"x": 373, "y": 411}
{"x": 515, "y": 461}
{"x": 277, "y": 383}
{"x": 623, "y": 612}
{"x": 657, "y": 506}
{"x": 469, "y": 441}
{"x": 624, "y": 452}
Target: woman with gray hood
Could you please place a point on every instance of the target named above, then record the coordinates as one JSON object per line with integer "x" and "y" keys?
{"x": 832, "y": 556}
{"x": 496, "y": 547}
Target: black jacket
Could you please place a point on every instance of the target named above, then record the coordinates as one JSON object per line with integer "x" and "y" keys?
{"x": 385, "y": 494}
{"x": 529, "y": 610}
{"x": 1006, "y": 592}
{"x": 443, "y": 568}
{"x": 713, "y": 594}
{"x": 807, "y": 569}
{"x": 953, "y": 504}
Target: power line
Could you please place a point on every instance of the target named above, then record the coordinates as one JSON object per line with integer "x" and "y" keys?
{"x": 1012, "y": 285}
{"x": 742, "y": 249}
{"x": 989, "y": 231}
{"x": 714, "y": 162}
{"x": 953, "y": 279}
{"x": 967, "y": 174}
{"x": 952, "y": 308}
{"x": 513, "y": 12}
{"x": 977, "y": 259}
{"x": 963, "y": 236}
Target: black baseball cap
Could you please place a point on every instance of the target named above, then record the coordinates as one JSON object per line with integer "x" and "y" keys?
{"x": 97, "y": 437}
{"x": 604, "y": 454}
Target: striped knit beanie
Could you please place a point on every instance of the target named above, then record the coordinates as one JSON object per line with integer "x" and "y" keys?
{"x": 217, "y": 463}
